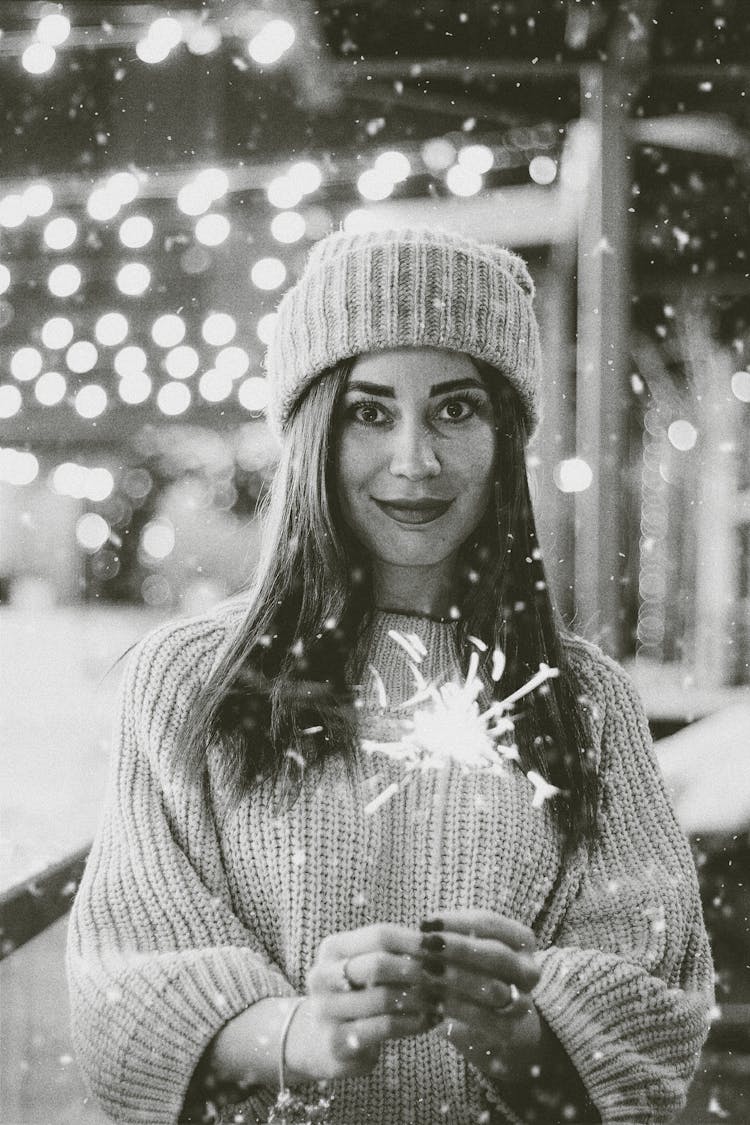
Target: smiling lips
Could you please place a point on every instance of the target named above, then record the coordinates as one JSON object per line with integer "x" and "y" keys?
{"x": 414, "y": 511}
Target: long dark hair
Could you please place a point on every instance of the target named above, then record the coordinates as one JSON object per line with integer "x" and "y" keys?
{"x": 280, "y": 699}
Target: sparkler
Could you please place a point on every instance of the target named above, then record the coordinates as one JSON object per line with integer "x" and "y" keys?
{"x": 449, "y": 726}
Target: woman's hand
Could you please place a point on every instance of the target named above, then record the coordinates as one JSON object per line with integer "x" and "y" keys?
{"x": 482, "y": 967}
{"x": 366, "y": 986}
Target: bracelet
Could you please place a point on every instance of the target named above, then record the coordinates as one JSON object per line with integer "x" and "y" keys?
{"x": 290, "y": 1109}
{"x": 284, "y": 1035}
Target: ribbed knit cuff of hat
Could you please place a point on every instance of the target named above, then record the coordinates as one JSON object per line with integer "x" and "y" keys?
{"x": 410, "y": 287}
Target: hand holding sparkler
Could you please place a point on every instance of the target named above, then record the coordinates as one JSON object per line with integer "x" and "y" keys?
{"x": 483, "y": 968}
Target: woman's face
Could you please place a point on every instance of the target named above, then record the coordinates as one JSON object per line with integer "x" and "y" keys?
{"x": 415, "y": 454}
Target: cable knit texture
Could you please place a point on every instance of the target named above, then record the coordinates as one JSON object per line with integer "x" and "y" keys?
{"x": 412, "y": 286}
{"x": 187, "y": 914}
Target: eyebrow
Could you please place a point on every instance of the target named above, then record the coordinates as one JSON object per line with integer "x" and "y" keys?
{"x": 437, "y": 389}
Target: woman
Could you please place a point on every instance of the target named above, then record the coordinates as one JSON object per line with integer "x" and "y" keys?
{"x": 287, "y": 887}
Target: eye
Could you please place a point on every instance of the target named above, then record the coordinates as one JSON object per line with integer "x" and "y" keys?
{"x": 461, "y": 409}
{"x": 369, "y": 413}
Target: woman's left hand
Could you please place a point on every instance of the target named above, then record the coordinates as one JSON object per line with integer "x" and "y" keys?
{"x": 483, "y": 968}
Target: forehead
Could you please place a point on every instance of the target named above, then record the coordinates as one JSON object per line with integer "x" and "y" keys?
{"x": 413, "y": 370}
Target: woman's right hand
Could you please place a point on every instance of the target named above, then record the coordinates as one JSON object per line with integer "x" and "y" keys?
{"x": 339, "y": 1030}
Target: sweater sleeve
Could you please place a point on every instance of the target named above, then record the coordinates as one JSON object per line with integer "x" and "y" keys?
{"x": 157, "y": 959}
{"x": 627, "y": 985}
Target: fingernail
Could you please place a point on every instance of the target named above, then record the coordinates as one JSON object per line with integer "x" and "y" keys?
{"x": 433, "y": 965}
{"x": 433, "y": 943}
{"x": 430, "y": 925}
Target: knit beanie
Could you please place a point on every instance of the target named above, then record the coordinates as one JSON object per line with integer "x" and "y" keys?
{"x": 416, "y": 286}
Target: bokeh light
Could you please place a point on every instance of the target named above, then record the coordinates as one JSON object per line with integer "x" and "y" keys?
{"x": 393, "y": 166}
{"x": 92, "y": 531}
{"x": 91, "y": 401}
{"x": 25, "y": 364}
{"x": 38, "y": 58}
{"x": 173, "y": 399}
{"x": 133, "y": 279}
{"x": 130, "y": 360}
{"x": 543, "y": 170}
{"x": 284, "y": 193}
{"x": 64, "y": 280}
{"x": 212, "y": 229}
{"x": 214, "y": 182}
{"x": 18, "y": 467}
{"x": 476, "y": 158}
{"x": 192, "y": 199}
{"x": 253, "y": 394}
{"x": 136, "y": 231}
{"x": 134, "y": 388}
{"x": 740, "y": 384}
{"x": 60, "y": 233}
{"x": 111, "y": 329}
{"x": 461, "y": 181}
{"x": 232, "y": 361}
{"x": 572, "y": 475}
{"x": 5, "y": 278}
{"x": 57, "y": 332}
{"x": 123, "y": 186}
{"x": 38, "y": 199}
{"x": 168, "y": 330}
{"x": 374, "y": 186}
{"x": 81, "y": 356}
{"x": 50, "y": 388}
{"x": 12, "y": 210}
{"x": 10, "y": 400}
{"x": 203, "y": 39}
{"x": 182, "y": 362}
{"x": 218, "y": 329}
{"x": 215, "y": 386}
{"x": 288, "y": 226}
{"x": 438, "y": 154}
{"x": 268, "y": 273}
{"x": 100, "y": 484}
{"x": 272, "y": 41}
{"x": 102, "y": 204}
{"x": 682, "y": 434}
{"x": 53, "y": 29}
{"x": 305, "y": 176}
{"x": 266, "y": 326}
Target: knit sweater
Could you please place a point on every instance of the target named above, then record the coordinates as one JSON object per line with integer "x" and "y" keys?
{"x": 188, "y": 913}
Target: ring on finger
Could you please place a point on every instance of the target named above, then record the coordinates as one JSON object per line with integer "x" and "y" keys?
{"x": 511, "y": 1002}
{"x": 349, "y": 984}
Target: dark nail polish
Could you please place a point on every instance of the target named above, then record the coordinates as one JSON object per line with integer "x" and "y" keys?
{"x": 430, "y": 925}
{"x": 433, "y": 965}
{"x": 433, "y": 943}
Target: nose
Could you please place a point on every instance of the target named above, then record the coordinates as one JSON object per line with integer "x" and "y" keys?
{"x": 413, "y": 454}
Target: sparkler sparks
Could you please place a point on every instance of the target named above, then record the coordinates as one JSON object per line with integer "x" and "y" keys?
{"x": 448, "y": 724}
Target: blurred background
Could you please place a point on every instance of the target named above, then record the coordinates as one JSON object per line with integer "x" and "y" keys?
{"x": 164, "y": 171}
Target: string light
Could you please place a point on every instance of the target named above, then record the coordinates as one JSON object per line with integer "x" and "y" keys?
{"x": 740, "y": 384}
{"x": 461, "y": 181}
{"x": 305, "y": 176}
{"x": 192, "y": 199}
{"x": 111, "y": 329}
{"x": 682, "y": 434}
{"x": 543, "y": 170}
{"x": 168, "y": 330}
{"x": 100, "y": 484}
{"x": 5, "y": 278}
{"x": 374, "y": 186}
{"x": 284, "y": 193}
{"x": 57, "y": 333}
{"x": 102, "y": 205}
{"x": 476, "y": 158}
{"x": 214, "y": 182}
{"x": 572, "y": 475}
{"x": 393, "y": 166}
{"x": 203, "y": 39}
{"x": 70, "y": 479}
{"x": 438, "y": 154}
{"x": 158, "y": 537}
